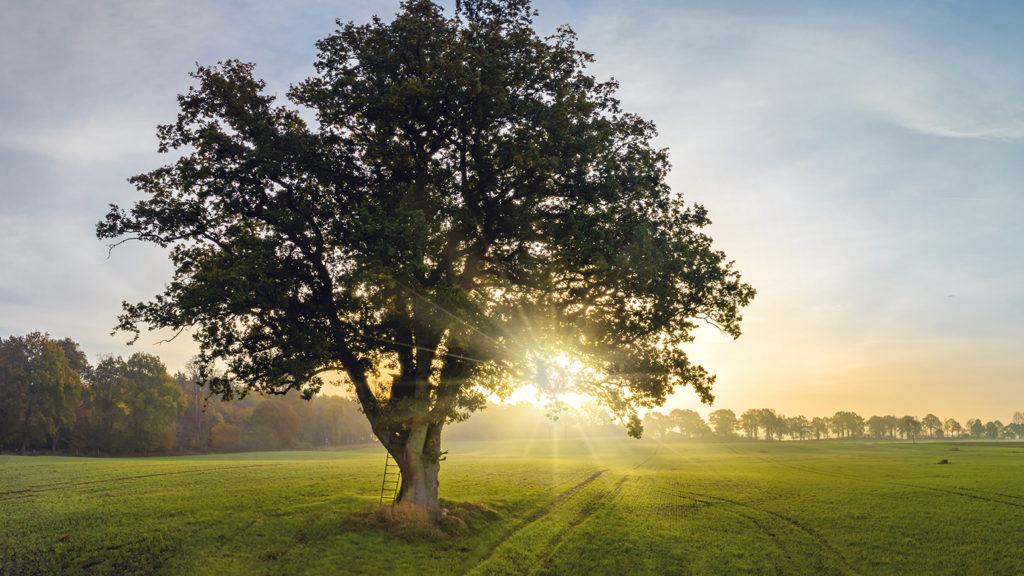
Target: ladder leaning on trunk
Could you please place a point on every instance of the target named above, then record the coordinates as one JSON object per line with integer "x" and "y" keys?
{"x": 392, "y": 481}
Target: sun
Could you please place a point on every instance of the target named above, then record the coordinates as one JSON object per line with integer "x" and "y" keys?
{"x": 530, "y": 393}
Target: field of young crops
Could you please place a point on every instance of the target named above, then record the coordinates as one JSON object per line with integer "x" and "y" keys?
{"x": 544, "y": 507}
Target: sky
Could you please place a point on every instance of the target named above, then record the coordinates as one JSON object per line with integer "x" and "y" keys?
{"x": 861, "y": 162}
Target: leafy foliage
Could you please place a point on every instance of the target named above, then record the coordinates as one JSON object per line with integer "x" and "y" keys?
{"x": 469, "y": 209}
{"x": 470, "y": 205}
{"x": 132, "y": 405}
{"x": 39, "y": 390}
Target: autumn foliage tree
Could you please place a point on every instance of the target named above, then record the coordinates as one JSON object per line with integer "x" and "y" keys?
{"x": 470, "y": 211}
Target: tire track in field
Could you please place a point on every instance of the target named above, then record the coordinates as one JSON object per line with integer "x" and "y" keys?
{"x": 738, "y": 508}
{"x": 27, "y": 492}
{"x": 588, "y": 510}
{"x": 649, "y": 458}
{"x": 535, "y": 517}
{"x": 995, "y": 498}
{"x": 722, "y": 479}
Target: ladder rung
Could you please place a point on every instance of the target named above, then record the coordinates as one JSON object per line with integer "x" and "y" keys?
{"x": 392, "y": 480}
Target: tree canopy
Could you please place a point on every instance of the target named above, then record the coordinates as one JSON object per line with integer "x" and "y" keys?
{"x": 469, "y": 211}
{"x": 39, "y": 389}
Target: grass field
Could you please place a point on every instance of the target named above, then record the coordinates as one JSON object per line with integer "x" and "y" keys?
{"x": 546, "y": 507}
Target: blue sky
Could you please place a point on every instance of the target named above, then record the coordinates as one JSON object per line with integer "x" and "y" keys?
{"x": 861, "y": 163}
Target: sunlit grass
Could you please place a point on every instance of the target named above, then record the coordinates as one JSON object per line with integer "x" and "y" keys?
{"x": 560, "y": 506}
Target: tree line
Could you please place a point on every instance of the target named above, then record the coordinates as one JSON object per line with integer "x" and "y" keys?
{"x": 53, "y": 399}
{"x": 767, "y": 424}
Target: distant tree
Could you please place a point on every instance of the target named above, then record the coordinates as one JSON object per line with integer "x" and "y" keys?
{"x": 39, "y": 392}
{"x": 724, "y": 422}
{"x": 596, "y": 418}
{"x": 469, "y": 207}
{"x": 891, "y": 423}
{"x": 225, "y": 437}
{"x": 799, "y": 427}
{"x": 993, "y": 430}
{"x": 1016, "y": 426}
{"x": 952, "y": 428}
{"x": 334, "y": 421}
{"x": 975, "y": 428}
{"x": 877, "y": 427}
{"x": 133, "y": 405}
{"x": 773, "y": 424}
{"x": 932, "y": 425}
{"x": 273, "y": 425}
{"x": 819, "y": 427}
{"x": 189, "y": 428}
{"x": 77, "y": 359}
{"x": 657, "y": 423}
{"x": 750, "y": 422}
{"x": 691, "y": 425}
{"x": 909, "y": 427}
{"x": 848, "y": 425}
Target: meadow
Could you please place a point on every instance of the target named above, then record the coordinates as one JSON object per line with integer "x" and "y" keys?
{"x": 552, "y": 506}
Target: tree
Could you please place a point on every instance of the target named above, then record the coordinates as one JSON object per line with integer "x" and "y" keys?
{"x": 657, "y": 423}
{"x": 750, "y": 422}
{"x": 132, "y": 405}
{"x": 932, "y": 424}
{"x": 975, "y": 428}
{"x": 819, "y": 427}
{"x": 877, "y": 427}
{"x": 952, "y": 428}
{"x": 773, "y": 424}
{"x": 724, "y": 422}
{"x": 691, "y": 425}
{"x": 799, "y": 427}
{"x": 39, "y": 391}
{"x": 909, "y": 427}
{"x": 189, "y": 428}
{"x": 470, "y": 208}
{"x": 274, "y": 425}
{"x": 848, "y": 424}
{"x": 1016, "y": 426}
{"x": 77, "y": 359}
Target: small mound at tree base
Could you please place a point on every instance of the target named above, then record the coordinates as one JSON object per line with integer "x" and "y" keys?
{"x": 412, "y": 523}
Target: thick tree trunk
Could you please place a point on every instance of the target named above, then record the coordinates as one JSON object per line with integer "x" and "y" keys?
{"x": 418, "y": 456}
{"x": 419, "y": 484}
{"x": 417, "y": 451}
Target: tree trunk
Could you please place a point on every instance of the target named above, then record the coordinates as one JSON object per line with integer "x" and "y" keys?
{"x": 24, "y": 430}
{"x": 418, "y": 457}
{"x": 419, "y": 461}
{"x": 419, "y": 484}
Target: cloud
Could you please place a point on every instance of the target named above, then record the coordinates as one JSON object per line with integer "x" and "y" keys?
{"x": 799, "y": 66}
{"x": 92, "y": 140}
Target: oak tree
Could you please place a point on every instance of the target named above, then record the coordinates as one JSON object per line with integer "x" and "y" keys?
{"x": 470, "y": 210}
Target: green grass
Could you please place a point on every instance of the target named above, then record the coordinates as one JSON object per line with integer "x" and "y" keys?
{"x": 560, "y": 507}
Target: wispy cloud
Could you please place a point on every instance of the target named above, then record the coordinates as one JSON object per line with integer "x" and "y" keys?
{"x": 803, "y": 64}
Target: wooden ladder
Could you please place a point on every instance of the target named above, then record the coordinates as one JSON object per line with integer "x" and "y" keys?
{"x": 392, "y": 480}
